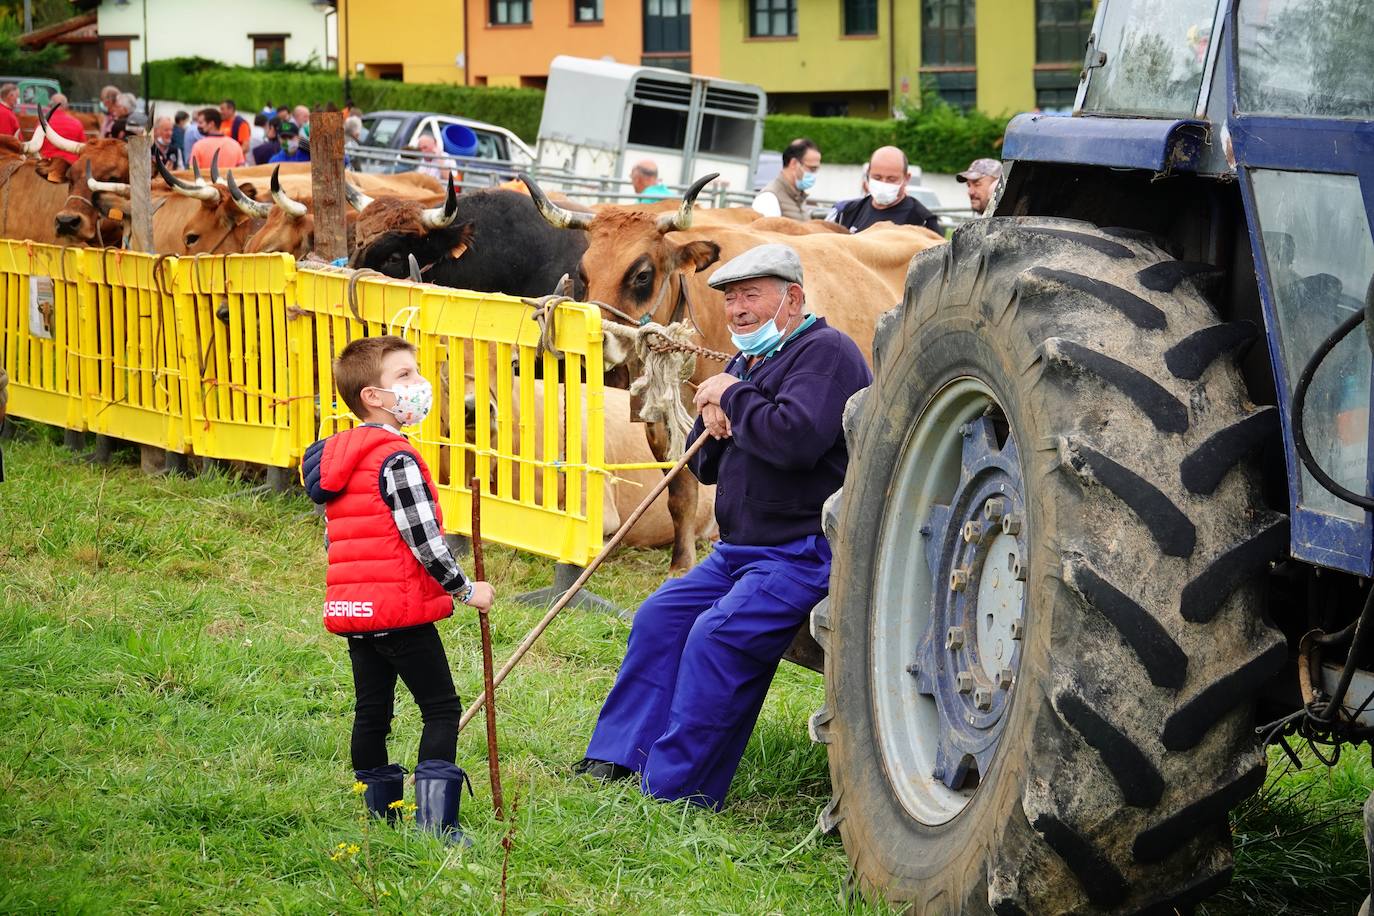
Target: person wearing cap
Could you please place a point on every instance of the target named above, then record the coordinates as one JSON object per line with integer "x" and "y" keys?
{"x": 981, "y": 177}
{"x": 292, "y": 148}
{"x": 885, "y": 179}
{"x": 704, "y": 647}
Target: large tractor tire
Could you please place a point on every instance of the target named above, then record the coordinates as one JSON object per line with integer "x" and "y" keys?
{"x": 1045, "y": 631}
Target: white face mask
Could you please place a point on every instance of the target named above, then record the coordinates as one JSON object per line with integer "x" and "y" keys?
{"x": 412, "y": 402}
{"x": 884, "y": 193}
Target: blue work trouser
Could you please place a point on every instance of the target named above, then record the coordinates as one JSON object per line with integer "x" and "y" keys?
{"x": 701, "y": 655}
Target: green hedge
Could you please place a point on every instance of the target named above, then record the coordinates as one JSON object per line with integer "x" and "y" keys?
{"x": 198, "y": 81}
{"x": 935, "y": 137}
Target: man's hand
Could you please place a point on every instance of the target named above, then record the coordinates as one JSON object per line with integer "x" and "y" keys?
{"x": 717, "y": 423}
{"x": 709, "y": 391}
{"x": 482, "y": 597}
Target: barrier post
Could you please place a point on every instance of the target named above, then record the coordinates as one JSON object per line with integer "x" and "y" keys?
{"x": 326, "y": 179}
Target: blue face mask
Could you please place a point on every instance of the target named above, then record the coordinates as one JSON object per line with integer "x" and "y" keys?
{"x": 762, "y": 339}
{"x": 807, "y": 181}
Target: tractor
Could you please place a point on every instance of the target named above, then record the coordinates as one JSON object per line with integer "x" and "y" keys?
{"x": 1106, "y": 531}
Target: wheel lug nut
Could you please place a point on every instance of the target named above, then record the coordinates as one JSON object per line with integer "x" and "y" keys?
{"x": 954, "y": 639}
{"x": 982, "y": 698}
{"x": 1018, "y": 570}
{"x": 1011, "y": 524}
{"x": 958, "y": 579}
{"x": 1004, "y": 678}
{"x": 965, "y": 681}
{"x": 970, "y": 532}
{"x": 994, "y": 508}
{"x": 913, "y": 669}
{"x": 1018, "y": 628}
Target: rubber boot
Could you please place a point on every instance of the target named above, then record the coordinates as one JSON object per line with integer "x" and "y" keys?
{"x": 438, "y": 790}
{"x": 385, "y": 785}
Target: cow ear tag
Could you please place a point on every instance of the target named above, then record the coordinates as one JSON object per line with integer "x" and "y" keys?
{"x": 116, "y": 213}
{"x": 645, "y": 319}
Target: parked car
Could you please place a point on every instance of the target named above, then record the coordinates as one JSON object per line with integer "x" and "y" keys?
{"x": 400, "y": 131}
{"x": 33, "y": 92}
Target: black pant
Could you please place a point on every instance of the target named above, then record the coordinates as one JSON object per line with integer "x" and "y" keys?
{"x": 417, "y": 657}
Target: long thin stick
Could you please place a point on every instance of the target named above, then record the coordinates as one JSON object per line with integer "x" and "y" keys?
{"x": 567, "y": 596}
{"x": 498, "y": 802}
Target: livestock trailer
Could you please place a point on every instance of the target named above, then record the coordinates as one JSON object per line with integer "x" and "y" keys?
{"x": 601, "y": 117}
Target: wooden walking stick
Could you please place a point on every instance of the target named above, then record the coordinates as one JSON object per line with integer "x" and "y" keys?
{"x": 488, "y": 685}
{"x": 533, "y": 636}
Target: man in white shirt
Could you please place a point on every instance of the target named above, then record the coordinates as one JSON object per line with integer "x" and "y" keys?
{"x": 786, "y": 194}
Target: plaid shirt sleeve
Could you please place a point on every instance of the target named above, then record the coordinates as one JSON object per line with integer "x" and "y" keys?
{"x": 412, "y": 508}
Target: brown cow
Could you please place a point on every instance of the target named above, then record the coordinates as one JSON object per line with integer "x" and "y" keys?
{"x": 647, "y": 264}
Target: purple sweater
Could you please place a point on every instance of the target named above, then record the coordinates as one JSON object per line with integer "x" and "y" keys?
{"x": 787, "y": 453}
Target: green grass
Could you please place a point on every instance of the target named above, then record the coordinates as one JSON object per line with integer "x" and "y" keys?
{"x": 177, "y": 722}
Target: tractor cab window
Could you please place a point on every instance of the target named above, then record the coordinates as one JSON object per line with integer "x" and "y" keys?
{"x": 1156, "y": 52}
{"x": 1319, "y": 257}
{"x": 1303, "y": 58}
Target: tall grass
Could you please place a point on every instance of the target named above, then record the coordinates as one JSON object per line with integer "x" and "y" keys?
{"x": 176, "y": 725}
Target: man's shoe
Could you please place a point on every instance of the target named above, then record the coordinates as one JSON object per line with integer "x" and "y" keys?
{"x": 603, "y": 770}
{"x": 438, "y": 790}
{"x": 385, "y": 785}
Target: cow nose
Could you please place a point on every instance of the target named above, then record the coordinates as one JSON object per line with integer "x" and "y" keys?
{"x": 67, "y": 222}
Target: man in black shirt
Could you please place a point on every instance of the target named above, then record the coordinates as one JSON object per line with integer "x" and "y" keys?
{"x": 885, "y": 178}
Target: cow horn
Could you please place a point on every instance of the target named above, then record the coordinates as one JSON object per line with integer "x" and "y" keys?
{"x": 556, "y": 215}
{"x": 214, "y": 168}
{"x": 56, "y": 139}
{"x": 245, "y": 203}
{"x": 195, "y": 172}
{"x": 35, "y": 142}
{"x": 682, "y": 219}
{"x": 199, "y": 191}
{"x": 294, "y": 208}
{"x": 356, "y": 199}
{"x": 415, "y": 275}
{"x": 113, "y": 187}
{"x": 442, "y": 217}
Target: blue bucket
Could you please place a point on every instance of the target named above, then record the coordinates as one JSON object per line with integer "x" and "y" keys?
{"x": 459, "y": 140}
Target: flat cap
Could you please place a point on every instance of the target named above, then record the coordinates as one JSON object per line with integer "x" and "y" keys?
{"x": 981, "y": 168}
{"x": 773, "y": 260}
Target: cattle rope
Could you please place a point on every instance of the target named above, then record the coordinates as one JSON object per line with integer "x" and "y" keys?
{"x": 669, "y": 359}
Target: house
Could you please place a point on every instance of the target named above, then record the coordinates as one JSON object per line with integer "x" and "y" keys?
{"x": 241, "y": 33}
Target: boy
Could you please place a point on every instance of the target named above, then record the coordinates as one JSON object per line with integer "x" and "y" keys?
{"x": 391, "y": 577}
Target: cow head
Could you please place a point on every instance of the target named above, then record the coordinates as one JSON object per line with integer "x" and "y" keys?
{"x": 101, "y": 161}
{"x": 391, "y": 229}
{"x": 631, "y": 255}
{"x": 219, "y": 225}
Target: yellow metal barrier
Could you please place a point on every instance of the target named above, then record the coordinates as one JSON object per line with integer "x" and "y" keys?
{"x": 231, "y": 357}
{"x": 541, "y": 460}
{"x": 41, "y": 287}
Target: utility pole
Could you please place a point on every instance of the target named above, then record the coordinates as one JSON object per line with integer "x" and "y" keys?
{"x": 28, "y": 15}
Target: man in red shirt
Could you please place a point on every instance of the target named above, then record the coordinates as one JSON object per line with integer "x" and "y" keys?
{"x": 9, "y": 120}
{"x": 203, "y": 153}
{"x": 64, "y": 124}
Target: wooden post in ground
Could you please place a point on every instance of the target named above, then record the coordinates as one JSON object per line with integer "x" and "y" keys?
{"x": 141, "y": 191}
{"x": 327, "y": 184}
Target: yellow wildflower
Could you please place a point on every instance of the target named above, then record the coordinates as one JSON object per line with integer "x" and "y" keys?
{"x": 354, "y": 850}
{"x": 397, "y": 804}
{"x": 359, "y": 788}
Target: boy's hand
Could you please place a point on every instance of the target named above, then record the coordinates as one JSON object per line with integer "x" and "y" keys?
{"x": 482, "y": 597}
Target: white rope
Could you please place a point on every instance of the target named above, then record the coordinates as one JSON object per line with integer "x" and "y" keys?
{"x": 665, "y": 370}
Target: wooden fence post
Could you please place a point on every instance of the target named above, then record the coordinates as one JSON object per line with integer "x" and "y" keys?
{"x": 327, "y": 181}
{"x": 141, "y": 191}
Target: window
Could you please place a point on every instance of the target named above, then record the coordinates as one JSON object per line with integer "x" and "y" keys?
{"x": 510, "y": 12}
{"x": 772, "y": 18}
{"x": 269, "y": 50}
{"x": 1061, "y": 34}
{"x": 668, "y": 34}
{"x": 861, "y": 17}
{"x": 588, "y": 11}
{"x": 117, "y": 55}
{"x": 947, "y": 50}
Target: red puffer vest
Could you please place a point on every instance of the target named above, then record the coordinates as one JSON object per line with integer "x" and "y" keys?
{"x": 374, "y": 582}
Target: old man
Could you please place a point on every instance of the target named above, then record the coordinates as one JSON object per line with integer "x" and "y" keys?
{"x": 704, "y": 648}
